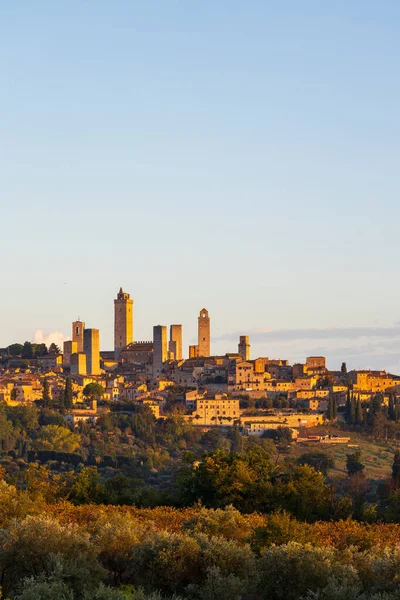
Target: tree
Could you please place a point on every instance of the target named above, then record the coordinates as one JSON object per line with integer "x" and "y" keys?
{"x": 46, "y": 392}
{"x": 86, "y": 488}
{"x": 68, "y": 394}
{"x": 237, "y": 442}
{"x": 40, "y": 545}
{"x": 57, "y": 439}
{"x": 347, "y": 410}
{"x": 93, "y": 390}
{"x": 319, "y": 460}
{"x": 353, "y": 410}
{"x": 23, "y": 416}
{"x": 375, "y": 409}
{"x": 15, "y": 350}
{"x": 343, "y": 368}
{"x": 359, "y": 416}
{"x": 54, "y": 349}
{"x": 27, "y": 351}
{"x": 396, "y": 469}
{"x": 334, "y": 407}
{"x": 392, "y": 413}
{"x": 353, "y": 463}
{"x": 8, "y": 435}
{"x": 329, "y": 413}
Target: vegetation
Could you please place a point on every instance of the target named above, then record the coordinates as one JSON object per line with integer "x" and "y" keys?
{"x": 132, "y": 507}
{"x": 59, "y": 550}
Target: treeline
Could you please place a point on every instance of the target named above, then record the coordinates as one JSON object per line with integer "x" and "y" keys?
{"x": 63, "y": 552}
{"x": 27, "y": 350}
{"x": 133, "y": 459}
{"x": 373, "y": 416}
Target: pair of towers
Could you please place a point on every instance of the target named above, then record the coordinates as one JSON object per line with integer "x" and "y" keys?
{"x": 82, "y": 353}
{"x": 163, "y": 351}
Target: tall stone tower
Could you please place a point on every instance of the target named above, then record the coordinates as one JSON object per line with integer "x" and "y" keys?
{"x": 244, "y": 347}
{"x": 69, "y": 348}
{"x": 91, "y": 348}
{"x": 175, "y": 341}
{"x": 204, "y": 333}
{"x": 160, "y": 353}
{"x": 123, "y": 322}
{"x": 78, "y": 327}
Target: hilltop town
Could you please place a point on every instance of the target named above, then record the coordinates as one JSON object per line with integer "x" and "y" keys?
{"x": 254, "y": 395}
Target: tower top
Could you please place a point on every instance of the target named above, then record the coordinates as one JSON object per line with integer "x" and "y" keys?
{"x": 122, "y": 295}
{"x": 204, "y": 313}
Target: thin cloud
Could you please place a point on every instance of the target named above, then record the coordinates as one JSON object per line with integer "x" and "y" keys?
{"x": 329, "y": 333}
{"x": 55, "y": 337}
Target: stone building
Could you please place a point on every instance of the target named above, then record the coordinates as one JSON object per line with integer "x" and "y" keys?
{"x": 78, "y": 328}
{"x": 218, "y": 411}
{"x": 244, "y": 347}
{"x": 204, "y": 333}
{"x": 315, "y": 363}
{"x": 91, "y": 347}
{"x": 138, "y": 352}
{"x": 78, "y": 363}
{"x": 175, "y": 341}
{"x": 160, "y": 353}
{"x": 69, "y": 348}
{"x": 194, "y": 351}
{"x": 123, "y": 322}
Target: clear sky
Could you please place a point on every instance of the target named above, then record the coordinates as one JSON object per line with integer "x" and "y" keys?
{"x": 237, "y": 155}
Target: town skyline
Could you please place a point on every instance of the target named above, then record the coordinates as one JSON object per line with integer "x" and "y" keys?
{"x": 292, "y": 344}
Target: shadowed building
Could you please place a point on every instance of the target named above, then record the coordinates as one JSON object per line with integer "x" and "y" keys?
{"x": 78, "y": 327}
{"x": 91, "y": 347}
{"x": 160, "y": 353}
{"x": 244, "y": 347}
{"x": 69, "y": 348}
{"x": 138, "y": 352}
{"x": 194, "y": 351}
{"x": 204, "y": 333}
{"x": 123, "y": 322}
{"x": 78, "y": 363}
{"x": 175, "y": 341}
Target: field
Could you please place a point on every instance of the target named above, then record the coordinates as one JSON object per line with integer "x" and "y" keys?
{"x": 376, "y": 456}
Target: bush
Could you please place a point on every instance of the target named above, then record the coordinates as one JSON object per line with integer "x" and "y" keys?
{"x": 289, "y": 572}
{"x": 226, "y": 522}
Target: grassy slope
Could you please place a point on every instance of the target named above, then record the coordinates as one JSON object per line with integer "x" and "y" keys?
{"x": 377, "y": 456}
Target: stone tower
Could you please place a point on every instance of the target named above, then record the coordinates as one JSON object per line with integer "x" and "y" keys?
{"x": 78, "y": 327}
{"x": 244, "y": 347}
{"x": 175, "y": 341}
{"x": 91, "y": 348}
{"x": 78, "y": 363}
{"x": 69, "y": 348}
{"x": 204, "y": 333}
{"x": 123, "y": 322}
{"x": 160, "y": 353}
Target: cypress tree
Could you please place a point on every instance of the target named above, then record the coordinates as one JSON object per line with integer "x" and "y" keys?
{"x": 67, "y": 399}
{"x": 353, "y": 410}
{"x": 334, "y": 407}
{"x": 359, "y": 412}
{"x": 330, "y": 409}
{"x": 396, "y": 469}
{"x": 391, "y": 409}
{"x": 46, "y": 392}
{"x": 347, "y": 412}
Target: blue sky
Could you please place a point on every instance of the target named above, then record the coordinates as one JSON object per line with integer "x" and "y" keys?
{"x": 242, "y": 156}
